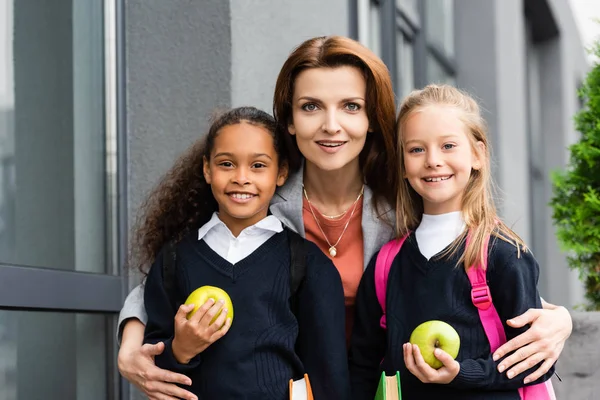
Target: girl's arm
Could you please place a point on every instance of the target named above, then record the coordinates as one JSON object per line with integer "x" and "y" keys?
{"x": 321, "y": 343}
{"x": 550, "y": 328}
{"x": 513, "y": 284}
{"x": 368, "y": 343}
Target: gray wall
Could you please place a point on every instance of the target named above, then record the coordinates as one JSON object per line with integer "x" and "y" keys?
{"x": 178, "y": 69}
{"x": 493, "y": 58}
{"x": 490, "y": 58}
{"x": 178, "y": 57}
{"x": 263, "y": 33}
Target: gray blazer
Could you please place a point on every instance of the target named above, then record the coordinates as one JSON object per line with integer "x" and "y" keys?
{"x": 287, "y": 206}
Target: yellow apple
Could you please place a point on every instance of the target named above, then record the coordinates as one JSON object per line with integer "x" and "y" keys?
{"x": 201, "y": 295}
{"x": 435, "y": 334}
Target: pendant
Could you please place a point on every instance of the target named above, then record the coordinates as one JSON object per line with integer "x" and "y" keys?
{"x": 332, "y": 251}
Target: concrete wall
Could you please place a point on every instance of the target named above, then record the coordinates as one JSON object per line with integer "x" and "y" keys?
{"x": 490, "y": 56}
{"x": 579, "y": 363}
{"x": 178, "y": 57}
{"x": 264, "y": 33}
{"x": 528, "y": 92}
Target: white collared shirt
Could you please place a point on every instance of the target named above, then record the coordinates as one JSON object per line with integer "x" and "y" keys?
{"x": 219, "y": 238}
{"x": 436, "y": 232}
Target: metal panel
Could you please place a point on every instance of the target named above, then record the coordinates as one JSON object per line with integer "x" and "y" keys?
{"x": 27, "y": 288}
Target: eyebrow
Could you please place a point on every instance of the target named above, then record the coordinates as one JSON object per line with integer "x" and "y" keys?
{"x": 309, "y": 98}
{"x": 254, "y": 155}
{"x": 450, "y": 136}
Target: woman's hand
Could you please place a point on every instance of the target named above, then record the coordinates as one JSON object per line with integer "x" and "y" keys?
{"x": 418, "y": 367}
{"x": 193, "y": 336}
{"x": 543, "y": 341}
{"x": 136, "y": 364}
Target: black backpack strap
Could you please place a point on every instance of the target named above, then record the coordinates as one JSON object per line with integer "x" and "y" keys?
{"x": 297, "y": 266}
{"x": 169, "y": 272}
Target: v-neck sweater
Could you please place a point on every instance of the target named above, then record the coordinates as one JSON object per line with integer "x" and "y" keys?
{"x": 420, "y": 290}
{"x": 267, "y": 344}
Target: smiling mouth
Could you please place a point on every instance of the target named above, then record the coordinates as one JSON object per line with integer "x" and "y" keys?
{"x": 241, "y": 196}
{"x": 438, "y": 178}
{"x": 331, "y": 144}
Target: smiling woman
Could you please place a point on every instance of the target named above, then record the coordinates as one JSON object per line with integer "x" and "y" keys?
{"x": 329, "y": 118}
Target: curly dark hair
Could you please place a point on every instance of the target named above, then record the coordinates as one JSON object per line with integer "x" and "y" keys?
{"x": 182, "y": 201}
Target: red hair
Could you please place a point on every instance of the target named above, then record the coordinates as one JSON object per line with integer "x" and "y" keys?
{"x": 378, "y": 157}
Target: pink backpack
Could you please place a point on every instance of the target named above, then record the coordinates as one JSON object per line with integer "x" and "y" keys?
{"x": 481, "y": 298}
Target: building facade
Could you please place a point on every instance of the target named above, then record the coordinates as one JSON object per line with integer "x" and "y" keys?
{"x": 97, "y": 98}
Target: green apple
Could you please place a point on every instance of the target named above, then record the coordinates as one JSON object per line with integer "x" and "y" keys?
{"x": 435, "y": 334}
{"x": 201, "y": 295}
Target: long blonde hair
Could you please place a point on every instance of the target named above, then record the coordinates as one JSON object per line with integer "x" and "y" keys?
{"x": 478, "y": 209}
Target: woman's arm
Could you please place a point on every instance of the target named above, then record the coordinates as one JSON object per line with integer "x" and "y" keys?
{"x": 133, "y": 308}
{"x": 544, "y": 341}
{"x": 136, "y": 364}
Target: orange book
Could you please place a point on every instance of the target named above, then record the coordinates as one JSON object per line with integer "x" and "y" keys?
{"x": 300, "y": 389}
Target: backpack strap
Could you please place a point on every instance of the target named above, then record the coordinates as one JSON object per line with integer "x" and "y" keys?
{"x": 297, "y": 266}
{"x": 169, "y": 268}
{"x": 492, "y": 325}
{"x": 382, "y": 269}
{"x": 482, "y": 299}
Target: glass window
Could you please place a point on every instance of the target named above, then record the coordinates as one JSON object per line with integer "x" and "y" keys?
{"x": 410, "y": 7}
{"x": 53, "y": 356}
{"x": 440, "y": 25}
{"x": 54, "y": 210}
{"x": 436, "y": 72}
{"x": 405, "y": 64}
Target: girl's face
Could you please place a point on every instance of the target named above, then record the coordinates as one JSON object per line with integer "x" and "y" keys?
{"x": 438, "y": 157}
{"x": 329, "y": 116}
{"x": 243, "y": 172}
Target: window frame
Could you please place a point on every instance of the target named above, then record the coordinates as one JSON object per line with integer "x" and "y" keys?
{"x": 34, "y": 288}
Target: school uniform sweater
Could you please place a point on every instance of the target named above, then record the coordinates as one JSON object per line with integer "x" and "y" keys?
{"x": 267, "y": 344}
{"x": 420, "y": 290}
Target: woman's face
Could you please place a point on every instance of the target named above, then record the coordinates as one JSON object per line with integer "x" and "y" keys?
{"x": 329, "y": 117}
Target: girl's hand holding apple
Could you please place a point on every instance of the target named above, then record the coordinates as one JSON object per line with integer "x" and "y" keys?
{"x": 194, "y": 335}
{"x": 418, "y": 367}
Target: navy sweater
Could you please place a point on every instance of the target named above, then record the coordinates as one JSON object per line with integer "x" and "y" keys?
{"x": 420, "y": 290}
{"x": 267, "y": 345}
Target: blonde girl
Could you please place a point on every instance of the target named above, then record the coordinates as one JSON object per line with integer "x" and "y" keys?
{"x": 445, "y": 211}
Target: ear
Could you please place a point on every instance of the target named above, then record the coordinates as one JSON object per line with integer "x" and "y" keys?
{"x": 206, "y": 170}
{"x": 291, "y": 128}
{"x": 478, "y": 155}
{"x": 282, "y": 175}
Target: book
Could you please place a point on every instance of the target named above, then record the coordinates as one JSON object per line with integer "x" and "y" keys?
{"x": 300, "y": 389}
{"x": 389, "y": 387}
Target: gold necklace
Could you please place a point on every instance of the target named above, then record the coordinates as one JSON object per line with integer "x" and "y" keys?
{"x": 332, "y": 247}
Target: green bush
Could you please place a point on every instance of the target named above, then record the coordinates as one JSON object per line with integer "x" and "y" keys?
{"x": 576, "y": 201}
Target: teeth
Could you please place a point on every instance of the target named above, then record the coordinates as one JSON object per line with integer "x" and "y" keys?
{"x": 330, "y": 144}
{"x": 438, "y": 179}
{"x": 241, "y": 196}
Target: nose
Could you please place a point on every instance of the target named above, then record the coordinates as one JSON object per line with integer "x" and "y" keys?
{"x": 241, "y": 176}
{"x": 331, "y": 124}
{"x": 433, "y": 159}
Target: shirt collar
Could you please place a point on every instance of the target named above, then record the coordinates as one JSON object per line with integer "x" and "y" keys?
{"x": 269, "y": 223}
